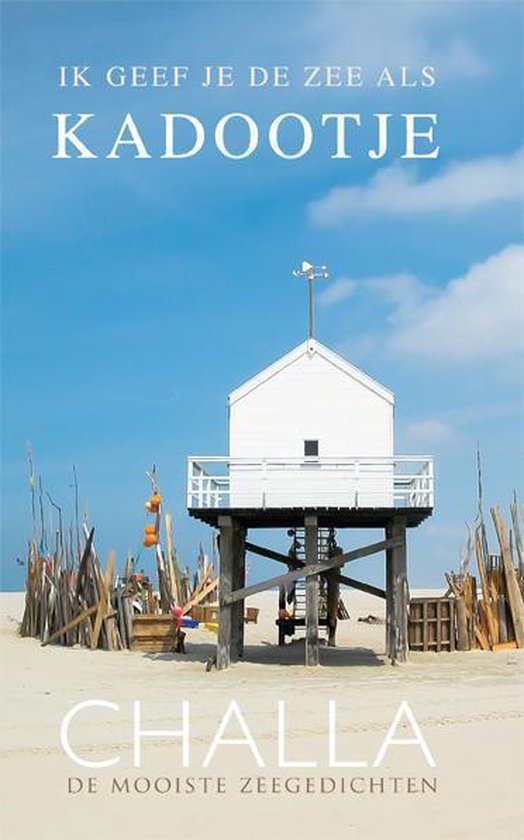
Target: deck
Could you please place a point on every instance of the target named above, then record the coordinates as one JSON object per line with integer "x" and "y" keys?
{"x": 293, "y": 517}
{"x": 341, "y": 492}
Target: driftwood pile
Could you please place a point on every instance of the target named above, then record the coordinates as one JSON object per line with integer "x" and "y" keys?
{"x": 71, "y": 600}
{"x": 70, "y": 603}
{"x": 490, "y": 615}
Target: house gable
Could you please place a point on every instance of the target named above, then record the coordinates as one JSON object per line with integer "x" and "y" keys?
{"x": 310, "y": 348}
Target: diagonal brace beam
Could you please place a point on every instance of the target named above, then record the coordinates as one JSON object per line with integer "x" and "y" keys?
{"x": 268, "y": 552}
{"x": 363, "y": 587}
{"x": 315, "y": 569}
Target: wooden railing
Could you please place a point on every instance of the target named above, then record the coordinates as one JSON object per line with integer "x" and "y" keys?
{"x": 222, "y": 482}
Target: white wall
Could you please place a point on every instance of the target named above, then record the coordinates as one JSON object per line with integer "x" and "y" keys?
{"x": 309, "y": 399}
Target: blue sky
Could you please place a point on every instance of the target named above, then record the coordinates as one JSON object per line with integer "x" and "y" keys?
{"x": 138, "y": 293}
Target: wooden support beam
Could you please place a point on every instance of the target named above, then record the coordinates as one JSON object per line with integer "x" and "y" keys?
{"x": 312, "y": 564}
{"x": 363, "y": 587}
{"x": 226, "y": 584}
{"x": 320, "y": 568}
{"x": 270, "y": 554}
{"x": 333, "y": 597}
{"x": 281, "y": 607}
{"x": 397, "y": 591}
{"x": 389, "y": 599}
{"x": 230, "y": 643}
{"x": 239, "y": 582}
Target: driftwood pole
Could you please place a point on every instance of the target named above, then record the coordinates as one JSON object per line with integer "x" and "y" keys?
{"x": 463, "y": 642}
{"x": 515, "y": 510}
{"x": 515, "y": 602}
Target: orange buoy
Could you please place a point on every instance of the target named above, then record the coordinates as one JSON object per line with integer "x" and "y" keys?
{"x": 150, "y": 540}
{"x": 153, "y": 505}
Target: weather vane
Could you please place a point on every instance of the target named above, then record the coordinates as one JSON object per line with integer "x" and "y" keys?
{"x": 311, "y": 273}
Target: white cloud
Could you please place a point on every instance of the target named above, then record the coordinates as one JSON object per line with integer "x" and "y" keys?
{"x": 401, "y": 34}
{"x": 477, "y": 316}
{"x": 427, "y": 433}
{"x": 460, "y": 188}
{"x": 341, "y": 289}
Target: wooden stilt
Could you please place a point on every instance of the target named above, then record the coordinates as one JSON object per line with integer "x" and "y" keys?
{"x": 281, "y": 606}
{"x": 397, "y": 592}
{"x": 389, "y": 597}
{"x": 333, "y": 595}
{"x": 225, "y": 524}
{"x": 312, "y": 650}
{"x": 239, "y": 582}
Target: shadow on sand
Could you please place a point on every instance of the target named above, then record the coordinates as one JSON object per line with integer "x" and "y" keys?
{"x": 267, "y": 653}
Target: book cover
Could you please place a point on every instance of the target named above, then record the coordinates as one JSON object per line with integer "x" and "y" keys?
{"x": 262, "y": 314}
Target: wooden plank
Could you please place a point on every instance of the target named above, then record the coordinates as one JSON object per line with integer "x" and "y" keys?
{"x": 516, "y": 605}
{"x": 104, "y": 606}
{"x": 505, "y": 646}
{"x": 201, "y": 596}
{"x": 425, "y": 640}
{"x": 491, "y": 618}
{"x": 311, "y": 541}
{"x": 173, "y": 582}
{"x": 73, "y": 623}
{"x": 481, "y": 638}
{"x": 362, "y": 587}
{"x": 515, "y": 510}
{"x": 202, "y": 585}
{"x": 325, "y": 566}
{"x": 451, "y": 625}
{"x": 502, "y": 618}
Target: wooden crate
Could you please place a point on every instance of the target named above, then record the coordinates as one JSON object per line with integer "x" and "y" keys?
{"x": 153, "y": 634}
{"x": 207, "y": 613}
{"x": 431, "y": 624}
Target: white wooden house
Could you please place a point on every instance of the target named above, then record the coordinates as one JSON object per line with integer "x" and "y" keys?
{"x": 310, "y": 430}
{"x": 311, "y": 449}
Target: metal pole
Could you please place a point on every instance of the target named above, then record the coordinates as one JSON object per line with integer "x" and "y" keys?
{"x": 310, "y": 283}
{"x": 310, "y": 273}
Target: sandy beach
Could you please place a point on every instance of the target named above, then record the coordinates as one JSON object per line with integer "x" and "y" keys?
{"x": 469, "y": 707}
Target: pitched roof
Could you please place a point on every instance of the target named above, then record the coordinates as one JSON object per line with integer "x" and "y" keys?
{"x": 310, "y": 347}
